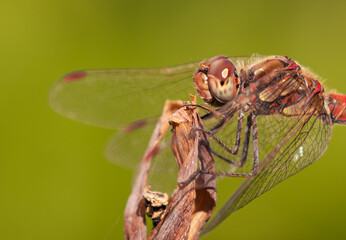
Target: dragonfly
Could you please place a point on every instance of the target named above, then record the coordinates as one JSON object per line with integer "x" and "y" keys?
{"x": 267, "y": 117}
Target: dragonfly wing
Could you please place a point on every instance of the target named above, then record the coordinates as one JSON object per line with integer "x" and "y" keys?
{"x": 287, "y": 145}
{"x": 128, "y": 146}
{"x": 114, "y": 97}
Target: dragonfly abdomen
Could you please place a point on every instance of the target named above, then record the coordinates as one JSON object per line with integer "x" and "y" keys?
{"x": 337, "y": 106}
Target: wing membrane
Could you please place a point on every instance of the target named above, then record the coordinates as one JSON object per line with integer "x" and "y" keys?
{"x": 302, "y": 141}
{"x": 114, "y": 97}
{"x": 127, "y": 147}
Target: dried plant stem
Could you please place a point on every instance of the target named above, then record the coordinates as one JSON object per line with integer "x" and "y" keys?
{"x": 194, "y": 198}
{"x": 135, "y": 227}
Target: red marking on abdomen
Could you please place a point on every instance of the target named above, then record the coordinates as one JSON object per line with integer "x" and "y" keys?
{"x": 74, "y": 76}
{"x": 337, "y": 107}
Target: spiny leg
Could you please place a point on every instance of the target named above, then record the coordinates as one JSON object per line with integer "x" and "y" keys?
{"x": 251, "y": 124}
{"x": 255, "y": 145}
{"x": 235, "y": 149}
{"x": 245, "y": 146}
{"x": 242, "y": 161}
{"x": 246, "y": 141}
{"x": 210, "y": 110}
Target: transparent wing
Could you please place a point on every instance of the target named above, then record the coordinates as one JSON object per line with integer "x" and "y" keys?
{"x": 111, "y": 98}
{"x": 127, "y": 147}
{"x": 271, "y": 129}
{"x": 287, "y": 145}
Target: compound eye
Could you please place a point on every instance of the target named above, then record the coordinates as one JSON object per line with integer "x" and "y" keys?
{"x": 221, "y": 69}
{"x": 223, "y": 80}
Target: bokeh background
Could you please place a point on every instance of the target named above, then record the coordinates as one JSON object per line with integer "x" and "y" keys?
{"x": 54, "y": 181}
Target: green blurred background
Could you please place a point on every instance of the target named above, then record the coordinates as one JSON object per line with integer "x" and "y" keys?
{"x": 54, "y": 181}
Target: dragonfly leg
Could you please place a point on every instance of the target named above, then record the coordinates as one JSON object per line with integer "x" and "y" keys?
{"x": 246, "y": 140}
{"x": 200, "y": 171}
{"x": 255, "y": 145}
{"x": 210, "y": 110}
{"x": 251, "y": 124}
{"x": 192, "y": 177}
{"x": 235, "y": 149}
{"x": 244, "y": 175}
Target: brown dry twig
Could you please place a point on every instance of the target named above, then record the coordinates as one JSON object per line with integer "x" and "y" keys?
{"x": 135, "y": 227}
{"x": 194, "y": 198}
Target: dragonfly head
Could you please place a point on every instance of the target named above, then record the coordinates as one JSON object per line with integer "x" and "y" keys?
{"x": 216, "y": 80}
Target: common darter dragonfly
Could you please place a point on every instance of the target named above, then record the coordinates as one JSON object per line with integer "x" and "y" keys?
{"x": 267, "y": 117}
